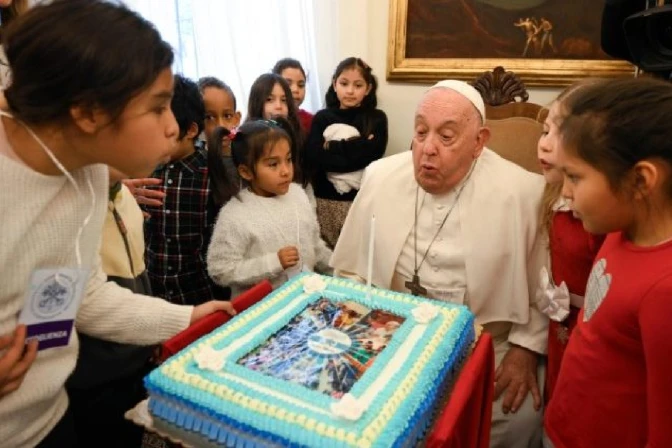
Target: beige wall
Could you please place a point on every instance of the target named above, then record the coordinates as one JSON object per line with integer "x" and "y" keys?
{"x": 362, "y": 30}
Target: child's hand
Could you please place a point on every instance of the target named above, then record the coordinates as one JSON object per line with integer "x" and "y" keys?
{"x": 289, "y": 256}
{"x": 16, "y": 360}
{"x": 143, "y": 195}
{"x": 210, "y": 307}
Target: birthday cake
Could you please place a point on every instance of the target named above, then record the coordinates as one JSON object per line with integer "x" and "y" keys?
{"x": 320, "y": 362}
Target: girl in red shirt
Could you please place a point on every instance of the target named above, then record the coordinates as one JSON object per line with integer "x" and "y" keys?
{"x": 292, "y": 71}
{"x": 615, "y": 150}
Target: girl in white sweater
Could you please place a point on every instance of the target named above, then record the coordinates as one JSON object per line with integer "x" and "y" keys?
{"x": 269, "y": 229}
{"x": 91, "y": 87}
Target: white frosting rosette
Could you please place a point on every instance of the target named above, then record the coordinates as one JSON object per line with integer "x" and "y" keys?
{"x": 314, "y": 283}
{"x": 348, "y": 408}
{"x": 208, "y": 358}
{"x": 425, "y": 313}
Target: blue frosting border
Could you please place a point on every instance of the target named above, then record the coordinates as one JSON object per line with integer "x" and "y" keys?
{"x": 338, "y": 289}
{"x": 417, "y": 425}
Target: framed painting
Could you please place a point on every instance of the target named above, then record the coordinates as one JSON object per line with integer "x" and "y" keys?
{"x": 545, "y": 42}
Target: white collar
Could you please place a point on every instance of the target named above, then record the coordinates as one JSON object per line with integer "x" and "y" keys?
{"x": 561, "y": 205}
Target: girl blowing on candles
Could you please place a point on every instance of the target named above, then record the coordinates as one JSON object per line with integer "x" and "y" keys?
{"x": 572, "y": 249}
{"x": 102, "y": 90}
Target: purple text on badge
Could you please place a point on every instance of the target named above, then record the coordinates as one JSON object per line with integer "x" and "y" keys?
{"x": 50, "y": 334}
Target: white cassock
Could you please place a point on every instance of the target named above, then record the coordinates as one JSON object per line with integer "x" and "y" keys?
{"x": 488, "y": 259}
{"x": 487, "y": 256}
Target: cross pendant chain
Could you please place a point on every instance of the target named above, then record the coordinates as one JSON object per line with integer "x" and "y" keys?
{"x": 415, "y": 287}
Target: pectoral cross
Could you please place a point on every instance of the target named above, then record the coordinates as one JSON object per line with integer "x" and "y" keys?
{"x": 415, "y": 287}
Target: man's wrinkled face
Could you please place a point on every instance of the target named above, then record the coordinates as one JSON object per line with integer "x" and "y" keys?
{"x": 448, "y": 137}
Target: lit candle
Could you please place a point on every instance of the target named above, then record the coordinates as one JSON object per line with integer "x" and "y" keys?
{"x": 372, "y": 239}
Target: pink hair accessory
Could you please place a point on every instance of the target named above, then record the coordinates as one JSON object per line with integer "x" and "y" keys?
{"x": 232, "y": 134}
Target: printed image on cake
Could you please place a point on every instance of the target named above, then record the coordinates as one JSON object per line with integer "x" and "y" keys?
{"x": 327, "y": 347}
{"x": 319, "y": 362}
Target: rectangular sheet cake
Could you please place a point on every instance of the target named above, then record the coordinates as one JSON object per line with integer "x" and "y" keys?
{"x": 320, "y": 362}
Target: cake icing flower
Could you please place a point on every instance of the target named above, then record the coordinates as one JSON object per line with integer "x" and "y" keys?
{"x": 208, "y": 358}
{"x": 314, "y": 283}
{"x": 348, "y": 408}
{"x": 425, "y": 313}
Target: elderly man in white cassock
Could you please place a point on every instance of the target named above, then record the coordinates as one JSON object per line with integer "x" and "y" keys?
{"x": 458, "y": 223}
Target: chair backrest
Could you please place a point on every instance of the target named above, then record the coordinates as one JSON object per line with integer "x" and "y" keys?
{"x": 515, "y": 126}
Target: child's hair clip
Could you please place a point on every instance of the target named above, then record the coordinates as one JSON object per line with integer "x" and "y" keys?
{"x": 232, "y": 134}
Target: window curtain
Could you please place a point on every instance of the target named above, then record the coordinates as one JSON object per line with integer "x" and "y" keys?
{"x": 238, "y": 40}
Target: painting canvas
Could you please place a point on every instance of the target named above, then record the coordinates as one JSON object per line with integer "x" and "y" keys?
{"x": 545, "y": 42}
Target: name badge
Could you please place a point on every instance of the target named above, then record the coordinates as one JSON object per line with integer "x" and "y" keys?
{"x": 51, "y": 305}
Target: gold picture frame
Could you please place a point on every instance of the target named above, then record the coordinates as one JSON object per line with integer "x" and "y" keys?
{"x": 533, "y": 72}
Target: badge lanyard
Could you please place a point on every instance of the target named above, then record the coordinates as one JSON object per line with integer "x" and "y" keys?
{"x": 66, "y": 173}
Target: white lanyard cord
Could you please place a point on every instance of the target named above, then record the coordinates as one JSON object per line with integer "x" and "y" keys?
{"x": 78, "y": 253}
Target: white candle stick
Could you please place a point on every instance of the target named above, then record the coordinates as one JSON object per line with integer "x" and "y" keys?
{"x": 372, "y": 239}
